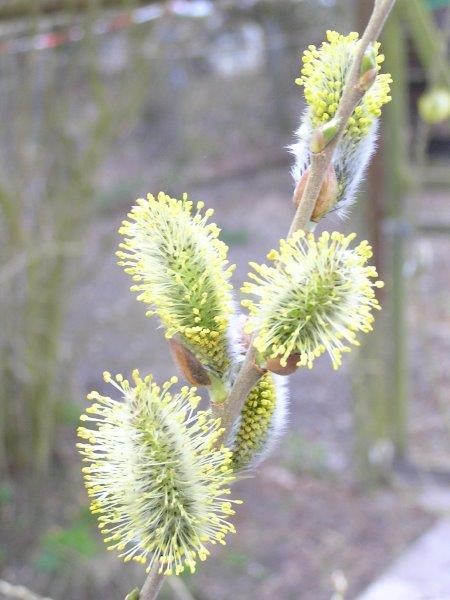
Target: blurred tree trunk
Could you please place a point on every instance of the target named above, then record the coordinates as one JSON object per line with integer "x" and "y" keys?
{"x": 274, "y": 34}
{"x": 51, "y": 146}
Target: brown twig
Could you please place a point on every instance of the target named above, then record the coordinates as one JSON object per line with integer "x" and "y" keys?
{"x": 152, "y": 585}
{"x": 180, "y": 589}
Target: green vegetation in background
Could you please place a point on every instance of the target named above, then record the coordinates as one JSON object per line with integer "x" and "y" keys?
{"x": 61, "y": 547}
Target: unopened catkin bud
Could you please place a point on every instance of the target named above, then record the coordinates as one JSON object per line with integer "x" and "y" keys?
{"x": 327, "y": 196}
{"x": 262, "y": 420}
{"x": 193, "y": 371}
{"x": 434, "y": 106}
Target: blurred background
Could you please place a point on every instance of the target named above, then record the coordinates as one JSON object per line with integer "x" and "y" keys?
{"x": 102, "y": 101}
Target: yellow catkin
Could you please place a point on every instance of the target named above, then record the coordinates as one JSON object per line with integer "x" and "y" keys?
{"x": 154, "y": 474}
{"x": 181, "y": 272}
{"x": 255, "y": 422}
{"x": 316, "y": 298}
{"x": 323, "y": 76}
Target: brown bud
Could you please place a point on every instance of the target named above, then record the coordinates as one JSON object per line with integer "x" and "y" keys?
{"x": 366, "y": 80}
{"x": 327, "y": 196}
{"x": 193, "y": 371}
{"x": 274, "y": 365}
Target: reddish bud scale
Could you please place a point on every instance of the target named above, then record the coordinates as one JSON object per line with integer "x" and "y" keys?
{"x": 327, "y": 196}
{"x": 192, "y": 370}
{"x": 368, "y": 78}
{"x": 274, "y": 365}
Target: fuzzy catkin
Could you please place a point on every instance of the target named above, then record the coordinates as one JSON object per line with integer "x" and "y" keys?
{"x": 156, "y": 480}
{"x": 315, "y": 299}
{"x": 261, "y": 422}
{"x": 323, "y": 77}
{"x": 264, "y": 415}
{"x": 181, "y": 272}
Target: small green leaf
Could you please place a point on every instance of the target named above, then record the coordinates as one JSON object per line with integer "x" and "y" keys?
{"x": 60, "y": 546}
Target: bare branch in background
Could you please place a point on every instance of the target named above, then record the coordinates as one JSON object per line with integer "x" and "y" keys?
{"x": 19, "y": 592}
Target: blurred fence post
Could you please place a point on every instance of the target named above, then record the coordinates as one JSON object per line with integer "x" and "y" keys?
{"x": 274, "y": 35}
{"x": 429, "y": 43}
{"x": 379, "y": 379}
{"x": 395, "y": 155}
{"x": 368, "y": 389}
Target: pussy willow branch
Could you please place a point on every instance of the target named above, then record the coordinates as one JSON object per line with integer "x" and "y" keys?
{"x": 152, "y": 585}
{"x": 250, "y": 372}
{"x": 18, "y": 592}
